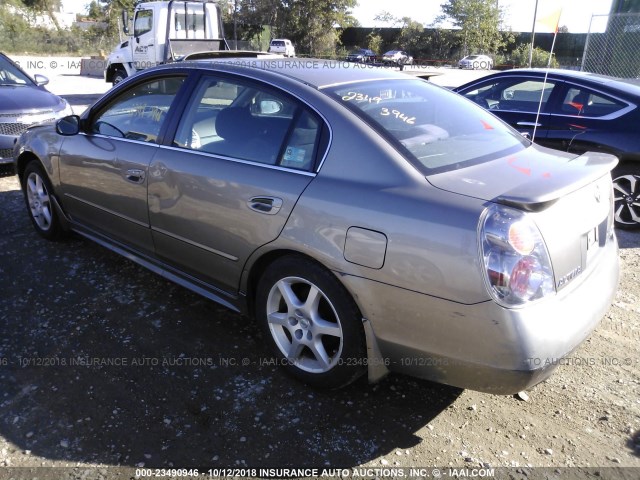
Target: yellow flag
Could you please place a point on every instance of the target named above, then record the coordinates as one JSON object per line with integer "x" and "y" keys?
{"x": 551, "y": 21}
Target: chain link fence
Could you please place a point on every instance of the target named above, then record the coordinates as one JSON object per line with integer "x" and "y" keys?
{"x": 612, "y": 45}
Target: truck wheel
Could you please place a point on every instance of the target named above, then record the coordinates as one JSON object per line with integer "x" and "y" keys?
{"x": 118, "y": 76}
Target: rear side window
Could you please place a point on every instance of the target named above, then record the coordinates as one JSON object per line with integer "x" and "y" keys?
{"x": 436, "y": 129}
{"x": 586, "y": 103}
{"x": 247, "y": 121}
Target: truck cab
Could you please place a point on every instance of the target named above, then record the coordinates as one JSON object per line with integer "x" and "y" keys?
{"x": 165, "y": 31}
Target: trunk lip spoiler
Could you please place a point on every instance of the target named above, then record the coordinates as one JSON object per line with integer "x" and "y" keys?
{"x": 598, "y": 164}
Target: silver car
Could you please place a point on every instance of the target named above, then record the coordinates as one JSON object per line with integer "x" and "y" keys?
{"x": 365, "y": 220}
{"x": 476, "y": 62}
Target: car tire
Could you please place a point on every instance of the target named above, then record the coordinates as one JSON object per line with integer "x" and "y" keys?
{"x": 38, "y": 194}
{"x": 312, "y": 324}
{"x": 118, "y": 76}
{"x": 626, "y": 195}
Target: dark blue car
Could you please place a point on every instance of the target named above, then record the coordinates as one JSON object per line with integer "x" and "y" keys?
{"x": 579, "y": 112}
{"x": 23, "y": 102}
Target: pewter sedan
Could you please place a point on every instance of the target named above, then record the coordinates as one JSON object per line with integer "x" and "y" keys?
{"x": 365, "y": 220}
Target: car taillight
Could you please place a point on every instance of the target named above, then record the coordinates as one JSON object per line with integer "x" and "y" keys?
{"x": 516, "y": 262}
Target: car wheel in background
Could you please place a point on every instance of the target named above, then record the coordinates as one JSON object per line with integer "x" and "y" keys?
{"x": 118, "y": 76}
{"x": 38, "y": 196}
{"x": 626, "y": 195}
{"x": 312, "y": 324}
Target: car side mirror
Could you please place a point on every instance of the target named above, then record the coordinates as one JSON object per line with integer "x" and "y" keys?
{"x": 40, "y": 79}
{"x": 69, "y": 125}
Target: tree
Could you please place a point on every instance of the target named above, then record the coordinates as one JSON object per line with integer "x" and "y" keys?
{"x": 310, "y": 24}
{"x": 540, "y": 58}
{"x": 374, "y": 42}
{"x": 479, "y": 23}
{"x": 410, "y": 35}
{"x": 45, "y": 6}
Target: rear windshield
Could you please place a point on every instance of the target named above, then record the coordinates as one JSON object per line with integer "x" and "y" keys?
{"x": 437, "y": 130}
{"x": 277, "y": 43}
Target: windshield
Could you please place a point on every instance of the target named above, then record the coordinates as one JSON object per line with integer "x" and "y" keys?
{"x": 10, "y": 75}
{"x": 437, "y": 130}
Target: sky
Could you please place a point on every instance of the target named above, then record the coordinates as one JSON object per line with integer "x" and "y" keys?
{"x": 576, "y": 14}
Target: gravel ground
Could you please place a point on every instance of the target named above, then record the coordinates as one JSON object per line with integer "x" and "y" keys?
{"x": 103, "y": 363}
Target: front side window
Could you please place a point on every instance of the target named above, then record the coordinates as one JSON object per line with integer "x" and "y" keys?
{"x": 436, "y": 129}
{"x": 519, "y": 95}
{"x": 143, "y": 22}
{"x": 139, "y": 112}
{"x": 246, "y": 121}
{"x": 10, "y": 75}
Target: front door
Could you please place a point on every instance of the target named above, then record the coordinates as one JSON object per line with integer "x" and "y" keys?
{"x": 104, "y": 171}
{"x": 144, "y": 40}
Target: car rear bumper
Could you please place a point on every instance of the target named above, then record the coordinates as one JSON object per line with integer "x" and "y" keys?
{"x": 486, "y": 347}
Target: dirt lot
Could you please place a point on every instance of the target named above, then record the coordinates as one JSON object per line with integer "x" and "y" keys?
{"x": 103, "y": 363}
{"x": 186, "y": 384}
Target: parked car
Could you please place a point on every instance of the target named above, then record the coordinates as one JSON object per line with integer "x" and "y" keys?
{"x": 476, "y": 62}
{"x": 362, "y": 55}
{"x": 580, "y": 112}
{"x": 282, "y": 46}
{"x": 368, "y": 221}
{"x": 397, "y": 57}
{"x": 23, "y": 102}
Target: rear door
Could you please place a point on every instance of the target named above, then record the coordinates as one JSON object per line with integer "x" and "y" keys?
{"x": 242, "y": 155}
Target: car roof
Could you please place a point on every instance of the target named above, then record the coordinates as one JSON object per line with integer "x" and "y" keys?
{"x": 630, "y": 86}
{"x": 317, "y": 73}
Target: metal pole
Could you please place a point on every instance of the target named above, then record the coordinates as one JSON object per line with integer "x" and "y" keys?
{"x": 586, "y": 45}
{"x": 533, "y": 33}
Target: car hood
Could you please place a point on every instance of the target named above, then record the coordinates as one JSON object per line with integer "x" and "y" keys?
{"x": 531, "y": 180}
{"x": 23, "y": 98}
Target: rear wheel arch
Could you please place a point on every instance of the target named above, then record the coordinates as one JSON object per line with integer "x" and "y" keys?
{"x": 318, "y": 334}
{"x": 261, "y": 265}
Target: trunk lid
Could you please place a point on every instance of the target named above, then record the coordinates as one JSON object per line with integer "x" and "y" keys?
{"x": 530, "y": 180}
{"x": 569, "y": 197}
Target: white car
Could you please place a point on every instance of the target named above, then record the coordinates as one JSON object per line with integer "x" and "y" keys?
{"x": 476, "y": 62}
{"x": 283, "y": 46}
{"x": 397, "y": 57}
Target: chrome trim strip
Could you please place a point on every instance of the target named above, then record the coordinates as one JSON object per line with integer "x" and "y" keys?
{"x": 107, "y": 210}
{"x": 237, "y": 160}
{"x": 119, "y": 139}
{"x": 195, "y": 244}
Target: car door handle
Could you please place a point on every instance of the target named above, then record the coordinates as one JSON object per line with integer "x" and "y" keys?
{"x": 529, "y": 124}
{"x": 266, "y": 205}
{"x": 135, "y": 175}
